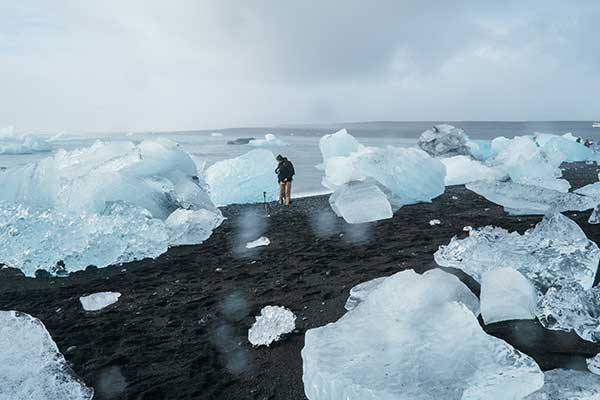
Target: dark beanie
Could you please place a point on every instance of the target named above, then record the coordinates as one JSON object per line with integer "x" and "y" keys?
{"x": 279, "y": 157}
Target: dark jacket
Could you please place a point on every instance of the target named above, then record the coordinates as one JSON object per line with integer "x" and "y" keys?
{"x": 285, "y": 171}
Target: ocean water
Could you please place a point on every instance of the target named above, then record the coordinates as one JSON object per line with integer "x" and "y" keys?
{"x": 302, "y": 141}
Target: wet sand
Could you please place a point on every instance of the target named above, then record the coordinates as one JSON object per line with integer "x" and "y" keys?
{"x": 179, "y": 331}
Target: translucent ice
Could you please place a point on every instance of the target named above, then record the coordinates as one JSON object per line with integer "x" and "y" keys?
{"x": 463, "y": 169}
{"x": 562, "y": 149}
{"x": 272, "y": 323}
{"x": 261, "y": 241}
{"x": 359, "y": 202}
{"x": 594, "y": 364}
{"x": 98, "y": 301}
{"x": 520, "y": 199}
{"x": 566, "y": 384}
{"x": 13, "y": 143}
{"x": 339, "y": 144}
{"x": 191, "y": 226}
{"x": 555, "y": 251}
{"x": 243, "y": 179}
{"x": 360, "y": 292}
{"x": 445, "y": 141}
{"x": 595, "y": 216}
{"x": 571, "y": 307}
{"x": 269, "y": 140}
{"x": 413, "y": 337}
{"x": 506, "y": 295}
{"x": 31, "y": 367}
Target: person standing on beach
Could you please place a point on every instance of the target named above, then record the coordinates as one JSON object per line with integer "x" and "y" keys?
{"x": 285, "y": 173}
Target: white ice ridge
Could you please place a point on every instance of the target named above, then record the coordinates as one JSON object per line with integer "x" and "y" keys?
{"x": 444, "y": 140}
{"x": 98, "y": 301}
{"x": 506, "y": 295}
{"x": 13, "y": 143}
{"x": 556, "y": 250}
{"x": 31, "y": 366}
{"x": 261, "y": 241}
{"x": 571, "y": 307}
{"x": 272, "y": 323}
{"x": 360, "y": 202}
{"x": 414, "y": 337}
{"x": 269, "y": 140}
{"x": 563, "y": 384}
{"x": 519, "y": 199}
{"x": 110, "y": 203}
{"x": 243, "y": 179}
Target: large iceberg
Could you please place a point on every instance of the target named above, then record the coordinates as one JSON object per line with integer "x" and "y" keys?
{"x": 566, "y": 384}
{"x": 243, "y": 179}
{"x": 444, "y": 141}
{"x": 31, "y": 366}
{"x": 13, "y": 143}
{"x": 556, "y": 250}
{"x": 272, "y": 323}
{"x": 572, "y": 307}
{"x": 414, "y": 337}
{"x": 339, "y": 144}
{"x": 521, "y": 199}
{"x": 463, "y": 169}
{"x": 506, "y": 295}
{"x": 360, "y": 202}
{"x": 102, "y": 205}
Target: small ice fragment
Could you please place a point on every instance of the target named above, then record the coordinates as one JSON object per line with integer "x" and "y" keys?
{"x": 261, "y": 241}
{"x": 31, "y": 366}
{"x": 506, "y": 295}
{"x": 270, "y": 325}
{"x": 467, "y": 228}
{"x": 98, "y": 301}
{"x": 454, "y": 198}
{"x": 594, "y": 364}
{"x": 434, "y": 222}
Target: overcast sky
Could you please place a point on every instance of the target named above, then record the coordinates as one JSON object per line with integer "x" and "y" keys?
{"x": 126, "y": 65}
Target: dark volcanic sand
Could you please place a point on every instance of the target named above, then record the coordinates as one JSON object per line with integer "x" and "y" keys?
{"x": 179, "y": 330}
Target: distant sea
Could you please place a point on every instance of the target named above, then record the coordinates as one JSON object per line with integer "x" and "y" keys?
{"x": 302, "y": 141}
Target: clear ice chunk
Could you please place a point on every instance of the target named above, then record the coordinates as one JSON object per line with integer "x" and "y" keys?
{"x": 413, "y": 337}
{"x": 360, "y": 202}
{"x": 272, "y": 323}
{"x": 191, "y": 226}
{"x": 31, "y": 366}
{"x": 339, "y": 144}
{"x": 261, "y": 241}
{"x": 444, "y": 141}
{"x": 563, "y": 384}
{"x": 506, "y": 295}
{"x": 556, "y": 250}
{"x": 98, "y": 301}
{"x": 463, "y": 169}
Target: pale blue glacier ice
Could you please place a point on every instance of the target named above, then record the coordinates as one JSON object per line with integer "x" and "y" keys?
{"x": 567, "y": 384}
{"x": 243, "y": 179}
{"x": 572, "y": 307}
{"x": 98, "y": 301}
{"x": 338, "y": 144}
{"x": 594, "y": 364}
{"x": 563, "y": 149}
{"x": 591, "y": 190}
{"x": 556, "y": 250}
{"x": 445, "y": 141}
{"x": 270, "y": 140}
{"x": 31, "y": 366}
{"x": 14, "y": 143}
{"x": 360, "y": 202}
{"x": 102, "y": 205}
{"x": 414, "y": 337}
{"x": 360, "y": 292}
{"x": 272, "y": 323}
{"x": 506, "y": 295}
{"x": 594, "y": 218}
{"x": 521, "y": 199}
{"x": 464, "y": 169}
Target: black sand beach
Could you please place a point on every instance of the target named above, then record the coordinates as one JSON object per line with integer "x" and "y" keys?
{"x": 179, "y": 330}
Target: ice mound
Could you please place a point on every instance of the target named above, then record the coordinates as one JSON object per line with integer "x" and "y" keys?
{"x": 269, "y": 140}
{"x": 463, "y": 169}
{"x": 272, "y": 323}
{"x": 572, "y": 307}
{"x": 413, "y": 337}
{"x": 594, "y": 364}
{"x": 339, "y": 144}
{"x": 563, "y": 149}
{"x": 506, "y": 295}
{"x": 12, "y": 143}
{"x": 360, "y": 292}
{"x": 98, "y": 301}
{"x": 243, "y": 179}
{"x": 520, "y": 199}
{"x": 556, "y": 250}
{"x": 566, "y": 384}
{"x": 261, "y": 241}
{"x": 444, "y": 141}
{"x": 360, "y": 202}
{"x": 31, "y": 367}
{"x": 191, "y": 226}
